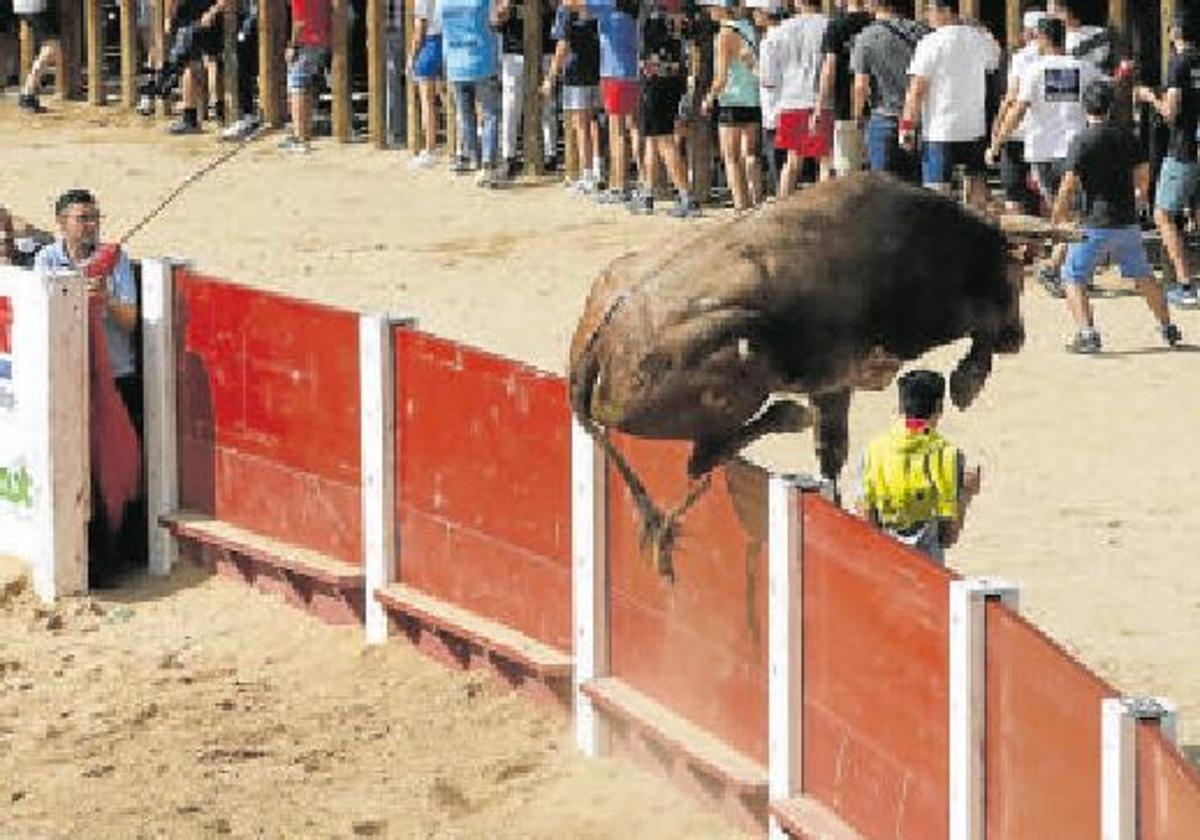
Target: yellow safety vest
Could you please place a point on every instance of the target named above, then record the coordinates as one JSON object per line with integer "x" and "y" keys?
{"x": 910, "y": 477}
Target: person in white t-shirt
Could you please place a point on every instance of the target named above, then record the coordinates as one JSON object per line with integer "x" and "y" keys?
{"x": 767, "y": 17}
{"x": 425, "y": 68}
{"x": 1091, "y": 43}
{"x": 1014, "y": 171}
{"x": 792, "y": 73}
{"x": 1050, "y": 102}
{"x": 947, "y": 97}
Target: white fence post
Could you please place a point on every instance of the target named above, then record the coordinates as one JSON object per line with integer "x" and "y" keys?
{"x": 589, "y": 584}
{"x": 1119, "y": 717}
{"x": 160, "y": 442}
{"x": 377, "y": 376}
{"x": 785, "y": 657}
{"x": 45, "y": 487}
{"x": 967, "y": 706}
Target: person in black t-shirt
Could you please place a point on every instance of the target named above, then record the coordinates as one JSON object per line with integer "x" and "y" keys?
{"x": 577, "y": 57}
{"x": 836, "y": 83}
{"x": 1107, "y": 163}
{"x": 511, "y": 15}
{"x": 1179, "y": 177}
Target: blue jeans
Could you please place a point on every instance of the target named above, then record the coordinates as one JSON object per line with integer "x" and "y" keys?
{"x": 1178, "y": 185}
{"x": 883, "y": 149}
{"x": 487, "y": 92}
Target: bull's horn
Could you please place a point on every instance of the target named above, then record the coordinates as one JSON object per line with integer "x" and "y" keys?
{"x": 1018, "y": 226}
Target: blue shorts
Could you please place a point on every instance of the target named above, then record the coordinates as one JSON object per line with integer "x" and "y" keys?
{"x": 1120, "y": 245}
{"x": 428, "y": 63}
{"x": 1178, "y": 185}
{"x": 937, "y": 165}
{"x": 307, "y": 64}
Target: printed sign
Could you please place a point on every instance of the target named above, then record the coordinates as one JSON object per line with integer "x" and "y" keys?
{"x": 8, "y": 397}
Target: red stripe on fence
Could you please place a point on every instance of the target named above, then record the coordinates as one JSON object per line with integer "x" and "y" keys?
{"x": 875, "y": 677}
{"x": 1043, "y": 735}
{"x": 698, "y": 645}
{"x": 269, "y": 415}
{"x": 484, "y": 484}
{"x": 6, "y": 321}
{"x": 1168, "y": 789}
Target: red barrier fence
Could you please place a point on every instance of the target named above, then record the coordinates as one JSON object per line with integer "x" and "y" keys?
{"x": 479, "y": 514}
{"x": 269, "y": 414}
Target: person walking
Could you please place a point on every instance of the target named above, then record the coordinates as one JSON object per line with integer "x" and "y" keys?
{"x": 471, "y": 52}
{"x": 805, "y": 130}
{"x": 1014, "y": 170}
{"x": 844, "y": 27}
{"x": 425, "y": 69}
{"x": 733, "y": 95}
{"x": 1106, "y": 162}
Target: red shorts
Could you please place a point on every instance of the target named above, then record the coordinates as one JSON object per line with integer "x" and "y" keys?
{"x": 796, "y": 133}
{"x": 620, "y": 96}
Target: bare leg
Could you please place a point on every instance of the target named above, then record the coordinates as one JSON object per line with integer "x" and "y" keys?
{"x": 1078, "y": 305}
{"x": 791, "y": 170}
{"x": 751, "y": 163}
{"x": 50, "y": 55}
{"x": 730, "y": 137}
{"x": 1173, "y": 240}
{"x": 618, "y": 162}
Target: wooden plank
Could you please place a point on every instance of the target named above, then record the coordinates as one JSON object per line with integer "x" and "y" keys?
{"x": 545, "y": 661}
{"x": 377, "y": 73}
{"x": 204, "y": 529}
{"x": 130, "y": 60}
{"x": 660, "y": 724}
{"x": 340, "y": 68}
{"x": 806, "y": 819}
{"x": 270, "y": 30}
{"x": 532, "y": 106}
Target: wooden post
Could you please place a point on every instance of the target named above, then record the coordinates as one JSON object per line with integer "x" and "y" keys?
{"x": 230, "y": 76}
{"x": 94, "y": 25}
{"x": 158, "y": 45}
{"x": 969, "y": 9}
{"x": 589, "y": 584}
{"x": 534, "y": 153}
{"x": 340, "y": 92}
{"x": 451, "y": 111}
{"x": 270, "y": 25}
{"x": 129, "y": 53}
{"x": 412, "y": 103}
{"x": 377, "y": 73}
{"x": 571, "y": 163}
{"x": 159, "y": 390}
{"x": 1167, "y": 8}
{"x": 919, "y": 9}
{"x": 68, "y": 80}
{"x": 26, "y": 49}
{"x": 1013, "y": 25}
{"x": 700, "y": 152}
{"x": 1118, "y": 16}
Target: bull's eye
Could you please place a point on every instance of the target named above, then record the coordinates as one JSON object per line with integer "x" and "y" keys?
{"x": 743, "y": 348}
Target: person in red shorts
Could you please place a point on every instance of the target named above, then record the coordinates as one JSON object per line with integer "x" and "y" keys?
{"x": 619, "y": 90}
{"x": 805, "y": 131}
{"x": 307, "y": 54}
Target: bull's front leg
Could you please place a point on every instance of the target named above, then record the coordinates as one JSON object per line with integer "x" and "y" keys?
{"x": 967, "y": 379}
{"x": 832, "y": 431}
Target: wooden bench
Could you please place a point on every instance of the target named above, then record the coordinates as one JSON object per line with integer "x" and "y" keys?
{"x": 545, "y": 662}
{"x": 805, "y": 819}
{"x": 292, "y": 558}
{"x": 699, "y": 748}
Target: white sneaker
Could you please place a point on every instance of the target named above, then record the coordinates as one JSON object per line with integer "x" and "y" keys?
{"x": 423, "y": 160}
{"x": 240, "y": 130}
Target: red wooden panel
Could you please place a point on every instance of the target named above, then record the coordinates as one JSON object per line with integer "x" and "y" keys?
{"x": 1043, "y": 735}
{"x": 1168, "y": 789}
{"x": 698, "y": 645}
{"x": 875, "y": 677}
{"x": 484, "y": 484}
{"x": 269, "y": 416}
{"x": 6, "y": 320}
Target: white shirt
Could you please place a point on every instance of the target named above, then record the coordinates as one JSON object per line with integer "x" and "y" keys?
{"x": 427, "y": 9}
{"x": 794, "y": 68}
{"x": 1017, "y": 65}
{"x": 768, "y": 58}
{"x": 1075, "y": 37}
{"x": 955, "y": 60}
{"x": 1053, "y": 88}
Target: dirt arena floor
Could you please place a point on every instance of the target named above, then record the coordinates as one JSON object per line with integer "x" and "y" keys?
{"x": 1089, "y": 503}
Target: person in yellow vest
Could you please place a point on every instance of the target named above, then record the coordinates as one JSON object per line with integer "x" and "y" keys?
{"x": 915, "y": 483}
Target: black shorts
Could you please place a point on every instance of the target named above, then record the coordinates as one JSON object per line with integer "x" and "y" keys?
{"x": 738, "y": 115}
{"x": 660, "y": 98}
{"x": 45, "y": 25}
{"x": 1014, "y": 171}
{"x": 207, "y": 42}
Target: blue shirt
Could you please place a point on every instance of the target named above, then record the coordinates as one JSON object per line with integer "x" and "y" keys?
{"x": 618, "y": 42}
{"x": 121, "y": 288}
{"x": 470, "y": 48}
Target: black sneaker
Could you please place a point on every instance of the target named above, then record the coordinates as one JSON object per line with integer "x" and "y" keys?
{"x": 1171, "y": 335}
{"x": 550, "y": 164}
{"x": 461, "y": 166}
{"x": 1085, "y": 343}
{"x": 182, "y": 126}
{"x": 31, "y": 104}
{"x": 685, "y": 208}
{"x": 1050, "y": 281}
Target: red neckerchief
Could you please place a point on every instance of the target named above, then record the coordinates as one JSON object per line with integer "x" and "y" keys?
{"x": 916, "y": 425}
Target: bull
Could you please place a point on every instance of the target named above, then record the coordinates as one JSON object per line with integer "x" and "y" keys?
{"x": 818, "y": 295}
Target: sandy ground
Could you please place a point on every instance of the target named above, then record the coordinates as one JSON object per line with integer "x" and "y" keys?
{"x": 1090, "y": 464}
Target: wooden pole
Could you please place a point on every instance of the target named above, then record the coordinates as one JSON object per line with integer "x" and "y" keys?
{"x": 129, "y": 53}
{"x": 340, "y": 92}
{"x": 919, "y": 9}
{"x": 534, "y": 153}
{"x": 969, "y": 9}
{"x": 377, "y": 73}
{"x": 451, "y": 119}
{"x": 158, "y": 46}
{"x": 1167, "y": 8}
{"x": 26, "y": 49}
{"x": 270, "y": 24}
{"x": 1013, "y": 25}
{"x": 700, "y": 153}
{"x": 571, "y": 163}
{"x": 231, "y": 75}
{"x": 94, "y": 25}
{"x": 1118, "y": 16}
{"x": 411, "y": 101}
{"x": 68, "y": 80}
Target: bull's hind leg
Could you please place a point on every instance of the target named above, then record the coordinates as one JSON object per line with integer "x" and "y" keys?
{"x": 967, "y": 379}
{"x": 832, "y": 433}
{"x": 780, "y": 417}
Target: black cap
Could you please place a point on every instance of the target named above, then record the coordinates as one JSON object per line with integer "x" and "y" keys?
{"x": 921, "y": 393}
